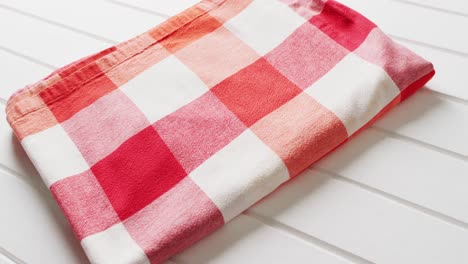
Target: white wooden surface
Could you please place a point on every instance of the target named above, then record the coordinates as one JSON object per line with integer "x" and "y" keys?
{"x": 397, "y": 193}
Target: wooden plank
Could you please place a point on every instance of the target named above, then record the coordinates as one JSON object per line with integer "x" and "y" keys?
{"x": 45, "y": 42}
{"x": 103, "y": 19}
{"x": 18, "y": 72}
{"x": 362, "y": 222}
{"x": 454, "y": 6}
{"x": 32, "y": 226}
{"x": 430, "y": 119}
{"x": 451, "y": 77}
{"x": 169, "y": 8}
{"x": 416, "y": 174}
{"x": 411, "y": 22}
{"x": 245, "y": 240}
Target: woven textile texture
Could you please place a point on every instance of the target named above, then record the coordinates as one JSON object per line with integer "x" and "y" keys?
{"x": 151, "y": 145}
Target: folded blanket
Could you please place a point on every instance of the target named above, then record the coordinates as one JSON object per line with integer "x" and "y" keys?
{"x": 153, "y": 144}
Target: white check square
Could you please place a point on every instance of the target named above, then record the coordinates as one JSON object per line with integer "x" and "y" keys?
{"x": 264, "y": 24}
{"x": 355, "y": 90}
{"x": 113, "y": 246}
{"x": 240, "y": 174}
{"x": 164, "y": 88}
{"x": 54, "y": 154}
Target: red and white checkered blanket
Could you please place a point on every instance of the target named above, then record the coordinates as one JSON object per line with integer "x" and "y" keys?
{"x": 153, "y": 144}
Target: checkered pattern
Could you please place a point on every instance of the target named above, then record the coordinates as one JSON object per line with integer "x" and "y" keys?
{"x": 152, "y": 144}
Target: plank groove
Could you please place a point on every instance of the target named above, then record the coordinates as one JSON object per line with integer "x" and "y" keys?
{"x": 51, "y": 44}
{"x": 456, "y": 7}
{"x": 28, "y": 214}
{"x": 450, "y": 77}
{"x": 412, "y": 22}
{"x": 4, "y": 259}
{"x": 243, "y": 240}
{"x": 18, "y": 72}
{"x": 103, "y": 19}
{"x": 432, "y": 120}
{"x": 424, "y": 177}
{"x": 368, "y": 225}
{"x": 240, "y": 240}
{"x": 169, "y": 8}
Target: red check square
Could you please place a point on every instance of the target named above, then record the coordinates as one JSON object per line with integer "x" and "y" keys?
{"x": 344, "y": 25}
{"x": 301, "y": 132}
{"x": 177, "y": 219}
{"x": 403, "y": 65}
{"x": 85, "y": 204}
{"x": 115, "y": 112}
{"x": 216, "y": 56}
{"x": 306, "y": 55}
{"x": 147, "y": 156}
{"x": 191, "y": 32}
{"x": 198, "y": 130}
{"x": 81, "y": 96}
{"x": 255, "y": 91}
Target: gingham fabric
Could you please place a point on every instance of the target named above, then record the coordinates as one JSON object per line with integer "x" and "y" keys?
{"x": 153, "y": 144}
